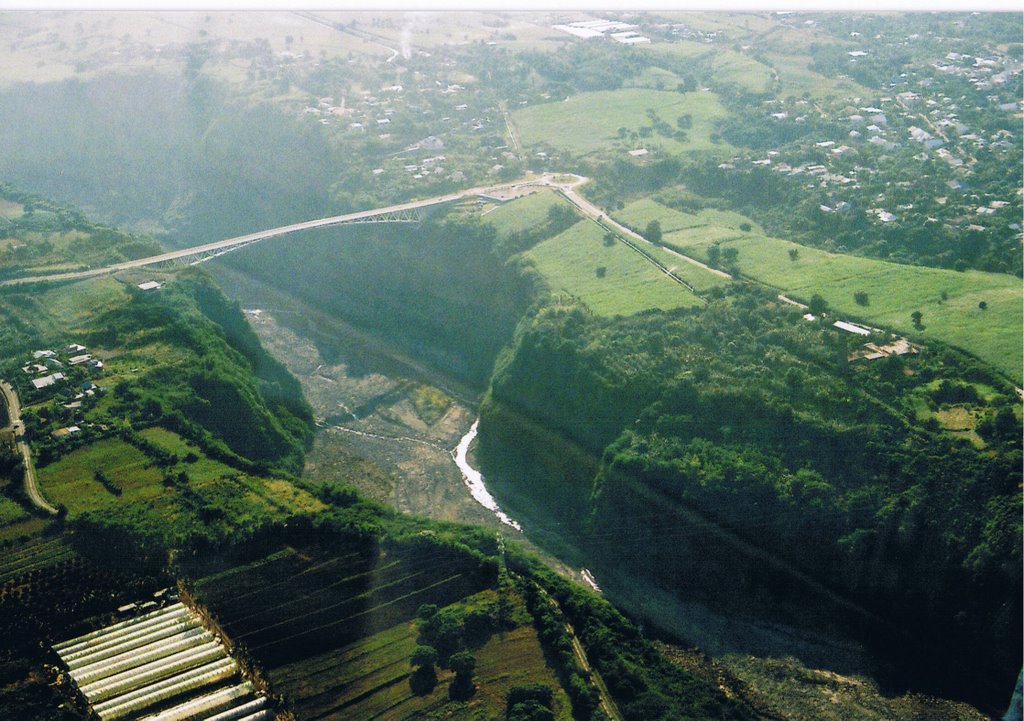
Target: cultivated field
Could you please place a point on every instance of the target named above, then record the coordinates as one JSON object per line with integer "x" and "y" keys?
{"x": 570, "y": 262}
{"x": 590, "y": 122}
{"x": 369, "y": 679}
{"x": 333, "y": 626}
{"x": 37, "y": 554}
{"x": 948, "y": 300}
{"x": 301, "y": 601}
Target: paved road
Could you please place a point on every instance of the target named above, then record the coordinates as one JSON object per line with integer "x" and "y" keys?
{"x": 225, "y": 245}
{"x": 14, "y": 421}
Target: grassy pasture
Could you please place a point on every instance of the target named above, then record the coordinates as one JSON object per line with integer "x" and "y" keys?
{"x": 640, "y": 212}
{"x": 796, "y": 78}
{"x": 570, "y": 260}
{"x": 589, "y": 122}
{"x": 11, "y": 511}
{"x": 654, "y": 79}
{"x": 894, "y": 290}
{"x": 523, "y": 213}
{"x": 10, "y": 209}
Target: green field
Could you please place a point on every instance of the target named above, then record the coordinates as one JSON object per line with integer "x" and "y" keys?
{"x": 569, "y": 264}
{"x": 11, "y": 511}
{"x": 654, "y": 79}
{"x": 639, "y": 213}
{"x": 797, "y": 79}
{"x": 590, "y": 122}
{"x": 894, "y": 290}
{"x": 239, "y": 498}
{"x": 71, "y": 480}
{"x": 523, "y": 213}
{"x": 732, "y": 68}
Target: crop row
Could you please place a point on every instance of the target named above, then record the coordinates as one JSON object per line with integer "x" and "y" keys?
{"x": 36, "y": 556}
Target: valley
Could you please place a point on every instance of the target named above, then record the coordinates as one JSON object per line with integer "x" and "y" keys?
{"x": 588, "y": 366}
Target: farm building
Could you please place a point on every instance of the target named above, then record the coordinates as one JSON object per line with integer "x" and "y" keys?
{"x": 851, "y": 328}
{"x": 161, "y": 665}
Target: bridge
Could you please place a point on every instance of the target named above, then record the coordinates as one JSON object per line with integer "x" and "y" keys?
{"x": 412, "y": 212}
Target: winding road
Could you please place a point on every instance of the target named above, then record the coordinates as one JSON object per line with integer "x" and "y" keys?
{"x": 15, "y": 424}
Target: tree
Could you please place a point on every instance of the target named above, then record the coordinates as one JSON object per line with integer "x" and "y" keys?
{"x": 860, "y": 297}
{"x": 714, "y": 254}
{"x": 818, "y": 305}
{"x": 916, "y": 317}
{"x": 600, "y": 271}
{"x": 794, "y": 253}
{"x": 609, "y": 239}
{"x": 730, "y": 256}
{"x": 653, "y": 232}
{"x": 463, "y": 664}
{"x": 423, "y": 656}
{"x": 983, "y": 305}
{"x": 424, "y": 678}
{"x": 529, "y": 711}
{"x": 746, "y": 227}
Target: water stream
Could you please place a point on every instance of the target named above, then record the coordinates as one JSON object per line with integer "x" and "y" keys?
{"x": 475, "y": 481}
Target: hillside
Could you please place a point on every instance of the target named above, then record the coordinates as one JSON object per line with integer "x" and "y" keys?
{"x": 694, "y": 416}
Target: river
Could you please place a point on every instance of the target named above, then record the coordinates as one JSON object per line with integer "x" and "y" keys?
{"x": 474, "y": 480}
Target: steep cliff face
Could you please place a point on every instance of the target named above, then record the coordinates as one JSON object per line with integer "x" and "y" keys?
{"x": 438, "y": 290}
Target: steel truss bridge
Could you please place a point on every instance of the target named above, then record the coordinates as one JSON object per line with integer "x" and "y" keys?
{"x": 413, "y": 212}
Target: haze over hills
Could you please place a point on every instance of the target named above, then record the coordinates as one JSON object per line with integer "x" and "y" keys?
{"x": 715, "y": 414}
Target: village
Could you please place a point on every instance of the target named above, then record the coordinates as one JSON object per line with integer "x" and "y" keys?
{"x": 67, "y": 377}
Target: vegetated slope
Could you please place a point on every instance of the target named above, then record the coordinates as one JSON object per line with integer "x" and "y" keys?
{"x": 165, "y": 153}
{"x": 38, "y": 235}
{"x": 180, "y": 426}
{"x": 746, "y": 415}
{"x": 181, "y": 356}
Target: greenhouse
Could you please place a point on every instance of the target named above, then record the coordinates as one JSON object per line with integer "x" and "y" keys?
{"x": 160, "y": 666}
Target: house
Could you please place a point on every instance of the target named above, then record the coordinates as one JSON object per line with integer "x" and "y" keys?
{"x": 47, "y": 381}
{"x": 76, "y": 348}
{"x": 79, "y": 359}
{"x": 61, "y": 432}
{"x": 96, "y": 364}
{"x": 149, "y": 285}
{"x": 43, "y": 354}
